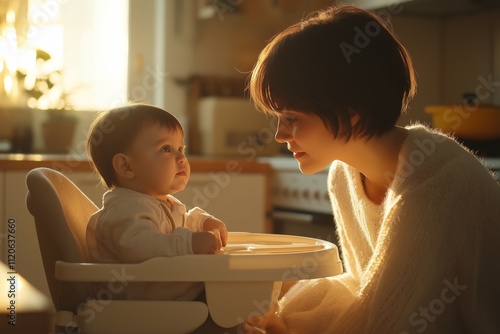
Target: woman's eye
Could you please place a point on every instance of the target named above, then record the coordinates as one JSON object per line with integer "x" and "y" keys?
{"x": 166, "y": 148}
{"x": 288, "y": 120}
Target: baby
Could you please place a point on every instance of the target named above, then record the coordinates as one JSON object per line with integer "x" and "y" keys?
{"x": 139, "y": 152}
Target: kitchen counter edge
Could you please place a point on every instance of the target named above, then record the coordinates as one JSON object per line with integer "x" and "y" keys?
{"x": 69, "y": 163}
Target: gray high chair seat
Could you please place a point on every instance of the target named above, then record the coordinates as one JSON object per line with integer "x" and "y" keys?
{"x": 238, "y": 282}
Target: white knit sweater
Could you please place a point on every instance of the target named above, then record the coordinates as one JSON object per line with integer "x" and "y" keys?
{"x": 427, "y": 260}
{"x": 132, "y": 227}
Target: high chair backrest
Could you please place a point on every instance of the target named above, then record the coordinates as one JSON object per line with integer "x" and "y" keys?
{"x": 61, "y": 212}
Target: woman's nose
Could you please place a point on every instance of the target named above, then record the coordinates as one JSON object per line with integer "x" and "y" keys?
{"x": 283, "y": 133}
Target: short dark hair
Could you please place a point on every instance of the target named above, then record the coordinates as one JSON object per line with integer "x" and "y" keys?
{"x": 339, "y": 61}
{"x": 114, "y": 130}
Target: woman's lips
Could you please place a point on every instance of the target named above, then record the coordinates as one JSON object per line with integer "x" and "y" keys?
{"x": 297, "y": 155}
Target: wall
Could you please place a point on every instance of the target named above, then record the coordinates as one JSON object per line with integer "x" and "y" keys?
{"x": 468, "y": 55}
{"x": 425, "y": 47}
{"x": 229, "y": 42}
{"x": 452, "y": 56}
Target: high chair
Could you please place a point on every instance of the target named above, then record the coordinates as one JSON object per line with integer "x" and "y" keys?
{"x": 242, "y": 281}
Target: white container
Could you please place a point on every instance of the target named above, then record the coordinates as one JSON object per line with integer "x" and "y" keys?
{"x": 233, "y": 127}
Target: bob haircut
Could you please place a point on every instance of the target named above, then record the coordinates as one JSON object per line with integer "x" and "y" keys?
{"x": 114, "y": 131}
{"x": 339, "y": 62}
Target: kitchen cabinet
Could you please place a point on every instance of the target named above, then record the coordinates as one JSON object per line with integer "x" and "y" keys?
{"x": 238, "y": 198}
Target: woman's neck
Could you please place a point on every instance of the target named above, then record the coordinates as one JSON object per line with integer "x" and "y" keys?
{"x": 377, "y": 161}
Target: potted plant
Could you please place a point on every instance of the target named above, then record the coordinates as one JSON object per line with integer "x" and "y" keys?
{"x": 45, "y": 92}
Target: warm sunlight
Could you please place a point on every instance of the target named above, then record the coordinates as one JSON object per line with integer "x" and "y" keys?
{"x": 87, "y": 41}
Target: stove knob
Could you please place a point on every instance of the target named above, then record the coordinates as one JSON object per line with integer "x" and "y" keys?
{"x": 326, "y": 197}
{"x": 306, "y": 194}
{"x": 295, "y": 193}
{"x": 317, "y": 195}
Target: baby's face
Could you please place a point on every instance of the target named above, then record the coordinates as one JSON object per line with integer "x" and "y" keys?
{"x": 158, "y": 160}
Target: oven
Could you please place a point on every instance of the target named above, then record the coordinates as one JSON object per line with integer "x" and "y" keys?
{"x": 307, "y": 224}
{"x": 489, "y": 152}
{"x": 493, "y": 164}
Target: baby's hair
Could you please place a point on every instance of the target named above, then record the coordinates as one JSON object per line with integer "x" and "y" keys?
{"x": 337, "y": 63}
{"x": 114, "y": 130}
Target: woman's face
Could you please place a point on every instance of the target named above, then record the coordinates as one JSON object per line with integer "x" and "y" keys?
{"x": 310, "y": 141}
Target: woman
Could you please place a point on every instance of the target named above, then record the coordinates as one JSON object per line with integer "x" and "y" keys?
{"x": 417, "y": 214}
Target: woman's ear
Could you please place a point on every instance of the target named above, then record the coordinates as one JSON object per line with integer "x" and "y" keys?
{"x": 122, "y": 166}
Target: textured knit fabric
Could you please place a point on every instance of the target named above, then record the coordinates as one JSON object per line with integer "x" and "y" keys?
{"x": 132, "y": 227}
{"x": 426, "y": 260}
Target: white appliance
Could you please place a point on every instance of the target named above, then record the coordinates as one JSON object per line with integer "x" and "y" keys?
{"x": 231, "y": 126}
{"x": 493, "y": 164}
{"x": 301, "y": 204}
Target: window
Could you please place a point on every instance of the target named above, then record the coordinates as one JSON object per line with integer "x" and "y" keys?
{"x": 87, "y": 41}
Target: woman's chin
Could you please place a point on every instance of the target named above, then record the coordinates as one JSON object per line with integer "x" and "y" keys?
{"x": 308, "y": 168}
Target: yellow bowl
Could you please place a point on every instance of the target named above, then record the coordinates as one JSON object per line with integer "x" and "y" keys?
{"x": 470, "y": 122}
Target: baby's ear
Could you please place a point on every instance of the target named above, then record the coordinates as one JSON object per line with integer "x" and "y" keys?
{"x": 122, "y": 166}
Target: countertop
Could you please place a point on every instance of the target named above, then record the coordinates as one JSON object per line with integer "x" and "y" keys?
{"x": 61, "y": 162}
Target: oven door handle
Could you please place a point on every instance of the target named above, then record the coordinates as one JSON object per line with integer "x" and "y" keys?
{"x": 295, "y": 217}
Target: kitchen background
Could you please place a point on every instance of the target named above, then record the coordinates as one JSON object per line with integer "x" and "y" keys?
{"x": 108, "y": 51}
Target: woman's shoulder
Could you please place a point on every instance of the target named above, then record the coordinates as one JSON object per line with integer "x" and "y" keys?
{"x": 432, "y": 159}
{"x": 427, "y": 153}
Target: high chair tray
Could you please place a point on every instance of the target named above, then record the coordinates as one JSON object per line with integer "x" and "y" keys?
{"x": 247, "y": 257}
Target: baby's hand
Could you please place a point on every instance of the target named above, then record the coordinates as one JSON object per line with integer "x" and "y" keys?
{"x": 214, "y": 224}
{"x": 205, "y": 243}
